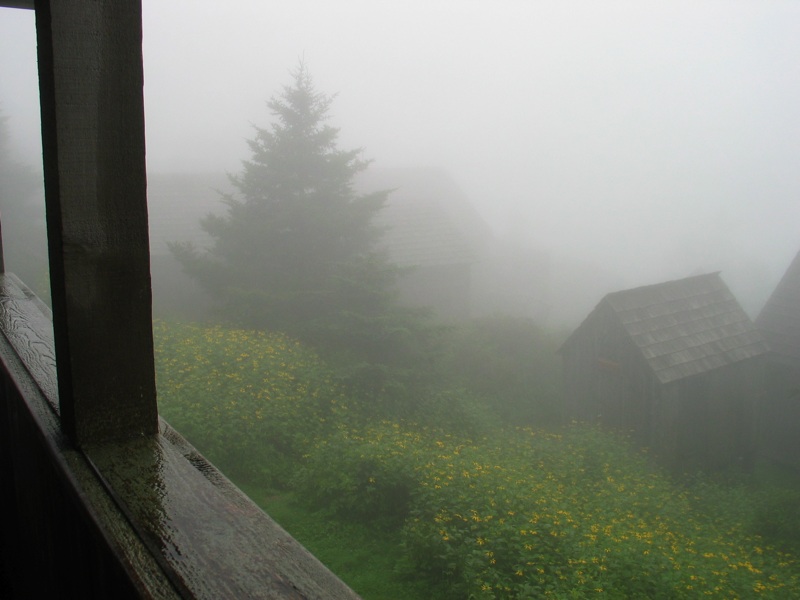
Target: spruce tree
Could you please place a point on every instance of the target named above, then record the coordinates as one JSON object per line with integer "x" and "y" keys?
{"x": 296, "y": 249}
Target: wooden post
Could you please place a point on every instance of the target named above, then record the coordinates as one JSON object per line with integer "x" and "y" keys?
{"x": 91, "y": 86}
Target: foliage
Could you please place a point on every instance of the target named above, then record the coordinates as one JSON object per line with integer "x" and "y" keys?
{"x": 365, "y": 473}
{"x": 457, "y": 412}
{"x": 512, "y": 364}
{"x": 499, "y": 513}
{"x": 536, "y": 514}
{"x": 764, "y": 501}
{"x": 361, "y": 555}
{"x": 250, "y": 401}
{"x": 297, "y": 249}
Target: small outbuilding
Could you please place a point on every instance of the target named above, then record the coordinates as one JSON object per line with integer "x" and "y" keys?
{"x": 678, "y": 365}
{"x": 779, "y": 321}
{"x": 433, "y": 230}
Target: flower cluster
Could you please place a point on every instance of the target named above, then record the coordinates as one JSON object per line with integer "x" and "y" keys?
{"x": 250, "y": 401}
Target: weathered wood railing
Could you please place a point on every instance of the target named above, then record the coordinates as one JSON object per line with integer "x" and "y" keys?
{"x": 142, "y": 518}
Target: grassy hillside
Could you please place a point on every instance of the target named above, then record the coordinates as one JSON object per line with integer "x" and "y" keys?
{"x": 454, "y": 502}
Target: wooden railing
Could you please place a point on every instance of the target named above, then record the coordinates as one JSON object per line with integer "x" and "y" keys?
{"x": 147, "y": 517}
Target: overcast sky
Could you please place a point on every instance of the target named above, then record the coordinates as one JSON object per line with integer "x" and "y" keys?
{"x": 655, "y": 139}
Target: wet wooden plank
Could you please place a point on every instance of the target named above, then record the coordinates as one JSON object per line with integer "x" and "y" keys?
{"x": 26, "y": 323}
{"x": 212, "y": 540}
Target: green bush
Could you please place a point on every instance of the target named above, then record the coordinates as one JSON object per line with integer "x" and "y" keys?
{"x": 252, "y": 402}
{"x": 580, "y": 514}
{"x": 764, "y": 502}
{"x": 512, "y": 365}
{"x": 364, "y": 474}
{"x": 529, "y": 514}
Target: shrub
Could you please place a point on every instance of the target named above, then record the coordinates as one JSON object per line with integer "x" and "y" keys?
{"x": 364, "y": 474}
{"x": 580, "y": 514}
{"x": 512, "y": 364}
{"x": 528, "y": 513}
{"x": 252, "y": 402}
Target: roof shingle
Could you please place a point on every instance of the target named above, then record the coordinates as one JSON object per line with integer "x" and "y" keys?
{"x": 686, "y": 327}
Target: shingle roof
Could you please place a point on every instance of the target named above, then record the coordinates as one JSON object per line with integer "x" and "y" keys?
{"x": 686, "y": 327}
{"x": 780, "y": 318}
{"x": 429, "y": 220}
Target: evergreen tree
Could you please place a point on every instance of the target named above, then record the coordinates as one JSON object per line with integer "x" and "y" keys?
{"x": 296, "y": 249}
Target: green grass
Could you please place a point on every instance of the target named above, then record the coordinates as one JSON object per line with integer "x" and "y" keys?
{"x": 363, "y": 557}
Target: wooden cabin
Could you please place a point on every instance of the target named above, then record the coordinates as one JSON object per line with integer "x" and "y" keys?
{"x": 779, "y": 322}
{"x": 678, "y": 365}
{"x": 432, "y": 229}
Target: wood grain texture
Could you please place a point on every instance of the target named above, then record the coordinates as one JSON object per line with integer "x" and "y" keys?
{"x": 212, "y": 540}
{"x": 27, "y": 325}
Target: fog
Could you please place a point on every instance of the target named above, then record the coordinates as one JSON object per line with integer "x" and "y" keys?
{"x": 644, "y": 140}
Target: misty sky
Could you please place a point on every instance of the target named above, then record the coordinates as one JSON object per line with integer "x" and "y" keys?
{"x": 653, "y": 139}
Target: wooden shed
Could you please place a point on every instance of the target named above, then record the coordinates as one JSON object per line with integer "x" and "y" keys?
{"x": 779, "y": 322}
{"x": 679, "y": 365}
{"x": 432, "y": 228}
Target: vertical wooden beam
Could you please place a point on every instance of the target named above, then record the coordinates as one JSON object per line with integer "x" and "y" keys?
{"x": 91, "y": 86}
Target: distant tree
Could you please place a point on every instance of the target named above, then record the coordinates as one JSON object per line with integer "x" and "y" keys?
{"x": 296, "y": 250}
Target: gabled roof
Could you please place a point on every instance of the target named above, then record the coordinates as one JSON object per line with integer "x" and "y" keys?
{"x": 684, "y": 327}
{"x": 429, "y": 220}
{"x": 780, "y": 318}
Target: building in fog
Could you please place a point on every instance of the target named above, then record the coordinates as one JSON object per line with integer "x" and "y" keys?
{"x": 176, "y": 202}
{"x": 433, "y": 230}
{"x": 779, "y": 321}
{"x": 679, "y": 365}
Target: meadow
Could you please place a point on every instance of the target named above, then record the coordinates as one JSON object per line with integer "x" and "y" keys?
{"x": 454, "y": 501}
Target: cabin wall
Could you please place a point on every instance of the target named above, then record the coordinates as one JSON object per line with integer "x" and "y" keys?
{"x": 606, "y": 380}
{"x": 447, "y": 289}
{"x": 711, "y": 420}
{"x": 779, "y": 413}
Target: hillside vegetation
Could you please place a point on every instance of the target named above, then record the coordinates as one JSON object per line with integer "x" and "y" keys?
{"x": 466, "y": 503}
